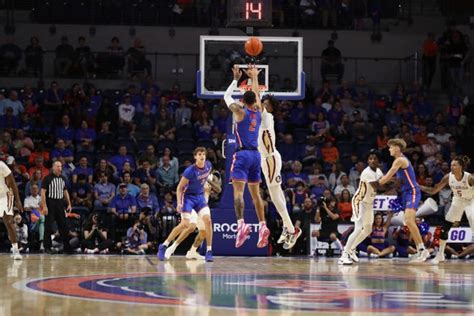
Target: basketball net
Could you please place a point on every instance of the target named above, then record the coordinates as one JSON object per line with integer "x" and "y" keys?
{"x": 246, "y": 85}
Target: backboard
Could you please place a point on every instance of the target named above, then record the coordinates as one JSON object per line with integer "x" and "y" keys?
{"x": 281, "y": 63}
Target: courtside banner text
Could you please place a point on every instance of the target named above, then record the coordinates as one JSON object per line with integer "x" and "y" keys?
{"x": 225, "y": 232}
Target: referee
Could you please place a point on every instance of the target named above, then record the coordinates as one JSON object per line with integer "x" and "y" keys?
{"x": 53, "y": 194}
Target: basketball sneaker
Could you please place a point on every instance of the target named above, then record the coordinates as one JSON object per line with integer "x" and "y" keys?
{"x": 169, "y": 252}
{"x": 193, "y": 254}
{"x": 263, "y": 235}
{"x": 421, "y": 256}
{"x": 439, "y": 258}
{"x": 283, "y": 236}
{"x": 292, "y": 238}
{"x": 16, "y": 254}
{"x": 161, "y": 252}
{"x": 209, "y": 256}
{"x": 345, "y": 259}
{"x": 242, "y": 232}
{"x": 353, "y": 256}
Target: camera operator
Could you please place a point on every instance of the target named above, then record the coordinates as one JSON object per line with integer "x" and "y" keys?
{"x": 328, "y": 216}
{"x": 136, "y": 239}
{"x": 95, "y": 236}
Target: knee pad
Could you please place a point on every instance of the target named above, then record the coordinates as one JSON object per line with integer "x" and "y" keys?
{"x": 445, "y": 230}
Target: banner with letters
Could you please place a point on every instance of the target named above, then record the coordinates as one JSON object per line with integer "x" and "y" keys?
{"x": 225, "y": 232}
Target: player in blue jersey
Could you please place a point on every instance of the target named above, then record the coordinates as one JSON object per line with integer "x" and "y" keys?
{"x": 190, "y": 196}
{"x": 410, "y": 191}
{"x": 245, "y": 167}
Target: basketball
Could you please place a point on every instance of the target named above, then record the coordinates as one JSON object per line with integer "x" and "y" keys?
{"x": 253, "y": 46}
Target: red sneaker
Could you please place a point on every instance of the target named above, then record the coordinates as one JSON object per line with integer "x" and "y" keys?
{"x": 242, "y": 234}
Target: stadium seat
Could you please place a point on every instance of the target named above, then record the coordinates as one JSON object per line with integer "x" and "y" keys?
{"x": 300, "y": 135}
{"x": 185, "y": 133}
{"x": 186, "y": 146}
{"x": 345, "y": 148}
{"x": 206, "y": 144}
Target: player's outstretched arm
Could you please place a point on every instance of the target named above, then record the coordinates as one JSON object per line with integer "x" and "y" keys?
{"x": 471, "y": 180}
{"x": 438, "y": 187}
{"x": 397, "y": 164}
{"x": 252, "y": 72}
{"x": 233, "y": 105}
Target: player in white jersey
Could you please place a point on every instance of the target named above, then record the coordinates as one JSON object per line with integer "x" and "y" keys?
{"x": 213, "y": 183}
{"x": 462, "y": 185}
{"x": 8, "y": 194}
{"x": 271, "y": 167}
{"x": 362, "y": 208}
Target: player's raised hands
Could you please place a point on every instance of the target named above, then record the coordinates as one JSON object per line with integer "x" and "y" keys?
{"x": 236, "y": 72}
{"x": 252, "y": 71}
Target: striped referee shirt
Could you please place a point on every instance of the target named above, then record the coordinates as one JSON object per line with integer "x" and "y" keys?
{"x": 54, "y": 186}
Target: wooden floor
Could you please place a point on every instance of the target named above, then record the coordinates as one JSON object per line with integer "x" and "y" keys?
{"x": 125, "y": 285}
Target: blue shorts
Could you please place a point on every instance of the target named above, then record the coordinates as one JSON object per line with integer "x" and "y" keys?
{"x": 193, "y": 202}
{"x": 246, "y": 166}
{"x": 411, "y": 199}
{"x": 381, "y": 246}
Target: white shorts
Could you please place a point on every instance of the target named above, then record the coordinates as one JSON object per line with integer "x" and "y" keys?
{"x": 194, "y": 218}
{"x": 362, "y": 212}
{"x": 457, "y": 208}
{"x": 6, "y": 204}
{"x": 271, "y": 168}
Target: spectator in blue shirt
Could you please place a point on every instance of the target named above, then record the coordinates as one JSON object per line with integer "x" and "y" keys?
{"x": 147, "y": 200}
{"x": 82, "y": 193}
{"x": 104, "y": 192}
{"x": 85, "y": 138}
{"x": 83, "y": 169}
{"x": 9, "y": 121}
{"x": 295, "y": 176}
{"x": 145, "y": 174}
{"x": 121, "y": 158}
{"x": 12, "y": 102}
{"x": 62, "y": 151}
{"x": 137, "y": 239}
{"x": 132, "y": 189}
{"x": 65, "y": 131}
{"x": 423, "y": 108}
{"x": 122, "y": 207}
{"x": 54, "y": 97}
{"x": 288, "y": 149}
{"x": 298, "y": 115}
{"x": 166, "y": 177}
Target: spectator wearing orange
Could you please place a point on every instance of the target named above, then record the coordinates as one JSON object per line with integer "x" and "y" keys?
{"x": 344, "y": 205}
{"x": 330, "y": 153}
{"x": 383, "y": 138}
{"x": 430, "y": 51}
{"x": 39, "y": 165}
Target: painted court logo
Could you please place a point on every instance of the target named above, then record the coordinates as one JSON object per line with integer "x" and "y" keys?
{"x": 321, "y": 292}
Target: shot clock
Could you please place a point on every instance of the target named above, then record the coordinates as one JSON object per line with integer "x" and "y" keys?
{"x": 249, "y": 13}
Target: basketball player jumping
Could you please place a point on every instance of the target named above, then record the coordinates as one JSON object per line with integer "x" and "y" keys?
{"x": 362, "y": 207}
{"x": 462, "y": 185}
{"x": 245, "y": 168}
{"x": 190, "y": 196}
{"x": 213, "y": 183}
{"x": 411, "y": 193}
{"x": 8, "y": 193}
{"x": 271, "y": 166}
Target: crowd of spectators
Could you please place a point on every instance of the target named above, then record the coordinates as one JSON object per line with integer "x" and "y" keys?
{"x": 123, "y": 151}
{"x": 81, "y": 62}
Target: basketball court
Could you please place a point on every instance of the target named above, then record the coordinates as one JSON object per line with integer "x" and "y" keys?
{"x": 122, "y": 285}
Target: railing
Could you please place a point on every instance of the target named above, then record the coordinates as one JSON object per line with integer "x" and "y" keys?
{"x": 181, "y": 68}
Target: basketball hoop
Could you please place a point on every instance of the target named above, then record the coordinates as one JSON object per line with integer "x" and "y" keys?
{"x": 246, "y": 85}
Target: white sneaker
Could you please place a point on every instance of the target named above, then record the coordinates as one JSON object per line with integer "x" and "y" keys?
{"x": 169, "y": 252}
{"x": 439, "y": 258}
{"x": 422, "y": 256}
{"x": 194, "y": 255}
{"x": 344, "y": 259}
{"x": 454, "y": 257}
{"x": 373, "y": 255}
{"x": 17, "y": 255}
{"x": 353, "y": 256}
{"x": 283, "y": 236}
{"x": 292, "y": 239}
